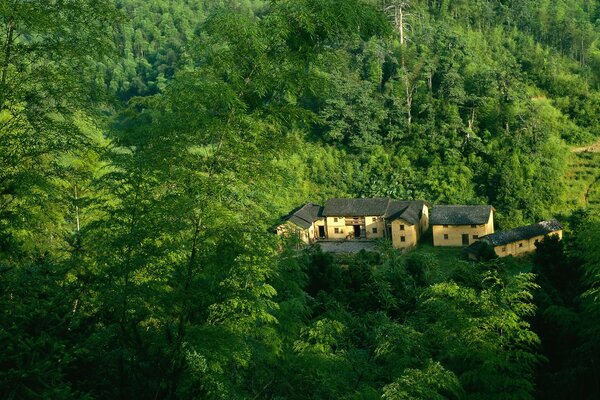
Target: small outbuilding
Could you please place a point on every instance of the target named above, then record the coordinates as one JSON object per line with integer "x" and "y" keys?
{"x": 521, "y": 240}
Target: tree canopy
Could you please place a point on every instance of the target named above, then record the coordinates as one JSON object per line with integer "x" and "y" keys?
{"x": 147, "y": 148}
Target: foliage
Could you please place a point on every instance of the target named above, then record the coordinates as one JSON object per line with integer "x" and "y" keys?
{"x": 147, "y": 148}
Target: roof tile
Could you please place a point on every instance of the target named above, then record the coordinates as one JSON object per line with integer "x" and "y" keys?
{"x": 523, "y": 232}
{"x": 460, "y": 215}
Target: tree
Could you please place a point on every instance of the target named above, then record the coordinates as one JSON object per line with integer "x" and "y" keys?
{"x": 44, "y": 64}
{"x": 491, "y": 348}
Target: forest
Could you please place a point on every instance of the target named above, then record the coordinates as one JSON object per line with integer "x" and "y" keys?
{"x": 148, "y": 147}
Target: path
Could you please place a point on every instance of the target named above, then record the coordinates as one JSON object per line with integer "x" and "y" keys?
{"x": 594, "y": 148}
{"x": 349, "y": 246}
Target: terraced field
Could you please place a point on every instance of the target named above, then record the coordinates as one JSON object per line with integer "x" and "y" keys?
{"x": 583, "y": 177}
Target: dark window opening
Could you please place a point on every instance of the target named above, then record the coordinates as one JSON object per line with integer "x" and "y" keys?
{"x": 322, "y": 232}
{"x": 465, "y": 239}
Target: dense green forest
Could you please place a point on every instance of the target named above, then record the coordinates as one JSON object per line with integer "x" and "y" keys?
{"x": 147, "y": 147}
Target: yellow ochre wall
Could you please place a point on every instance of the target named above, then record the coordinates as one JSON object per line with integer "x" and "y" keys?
{"x": 331, "y": 225}
{"x": 316, "y": 224}
{"x": 347, "y": 232}
{"x": 410, "y": 232}
{"x": 528, "y": 246}
{"x": 455, "y": 233}
{"x": 374, "y": 222}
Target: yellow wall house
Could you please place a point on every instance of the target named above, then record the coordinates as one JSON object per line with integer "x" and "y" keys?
{"x": 407, "y": 221}
{"x": 518, "y": 241}
{"x": 461, "y": 225}
{"x": 373, "y": 218}
{"x": 353, "y": 219}
{"x": 306, "y": 222}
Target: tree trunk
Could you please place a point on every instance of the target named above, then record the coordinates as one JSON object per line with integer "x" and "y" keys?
{"x": 184, "y": 316}
{"x": 10, "y": 32}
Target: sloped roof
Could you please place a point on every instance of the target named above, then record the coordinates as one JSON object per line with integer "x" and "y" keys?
{"x": 305, "y": 215}
{"x": 354, "y": 207}
{"x": 460, "y": 215}
{"x": 409, "y": 211}
{"x": 523, "y": 232}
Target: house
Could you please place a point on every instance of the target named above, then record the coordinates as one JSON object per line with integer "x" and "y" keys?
{"x": 306, "y": 222}
{"x": 354, "y": 219}
{"x": 408, "y": 220}
{"x": 520, "y": 240}
{"x": 461, "y": 225}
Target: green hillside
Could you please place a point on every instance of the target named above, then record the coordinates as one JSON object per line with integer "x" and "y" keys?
{"x": 148, "y": 147}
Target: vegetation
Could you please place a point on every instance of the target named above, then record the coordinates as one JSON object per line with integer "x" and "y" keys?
{"x": 146, "y": 147}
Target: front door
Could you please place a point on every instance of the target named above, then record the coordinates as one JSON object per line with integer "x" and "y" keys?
{"x": 357, "y": 231}
{"x": 321, "y": 232}
{"x": 465, "y": 238}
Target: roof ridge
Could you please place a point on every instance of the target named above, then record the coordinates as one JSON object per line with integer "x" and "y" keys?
{"x": 388, "y": 206}
{"x": 523, "y": 232}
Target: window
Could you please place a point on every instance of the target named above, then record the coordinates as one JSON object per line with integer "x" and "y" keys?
{"x": 336, "y": 230}
{"x": 473, "y": 226}
{"x": 374, "y": 230}
{"x": 374, "y": 219}
{"x": 403, "y": 238}
{"x": 475, "y": 236}
{"x": 446, "y": 236}
{"x": 504, "y": 249}
{"x": 335, "y": 220}
{"x": 445, "y": 226}
{"x": 520, "y": 244}
{"x": 401, "y": 227}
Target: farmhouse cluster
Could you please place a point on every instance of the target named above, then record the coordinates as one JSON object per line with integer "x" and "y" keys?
{"x": 404, "y": 222}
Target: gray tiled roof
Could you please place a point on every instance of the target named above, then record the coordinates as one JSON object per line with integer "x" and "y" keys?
{"x": 409, "y": 211}
{"x": 460, "y": 215}
{"x": 356, "y": 207}
{"x": 305, "y": 215}
{"x": 522, "y": 233}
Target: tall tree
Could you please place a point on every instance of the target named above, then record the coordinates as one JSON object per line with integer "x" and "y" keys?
{"x": 44, "y": 67}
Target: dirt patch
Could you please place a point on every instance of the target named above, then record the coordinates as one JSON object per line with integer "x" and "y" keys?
{"x": 348, "y": 246}
{"x": 594, "y": 148}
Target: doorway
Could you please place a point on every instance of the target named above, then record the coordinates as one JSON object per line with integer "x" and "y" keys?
{"x": 321, "y": 232}
{"x": 465, "y": 239}
{"x": 356, "y": 231}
